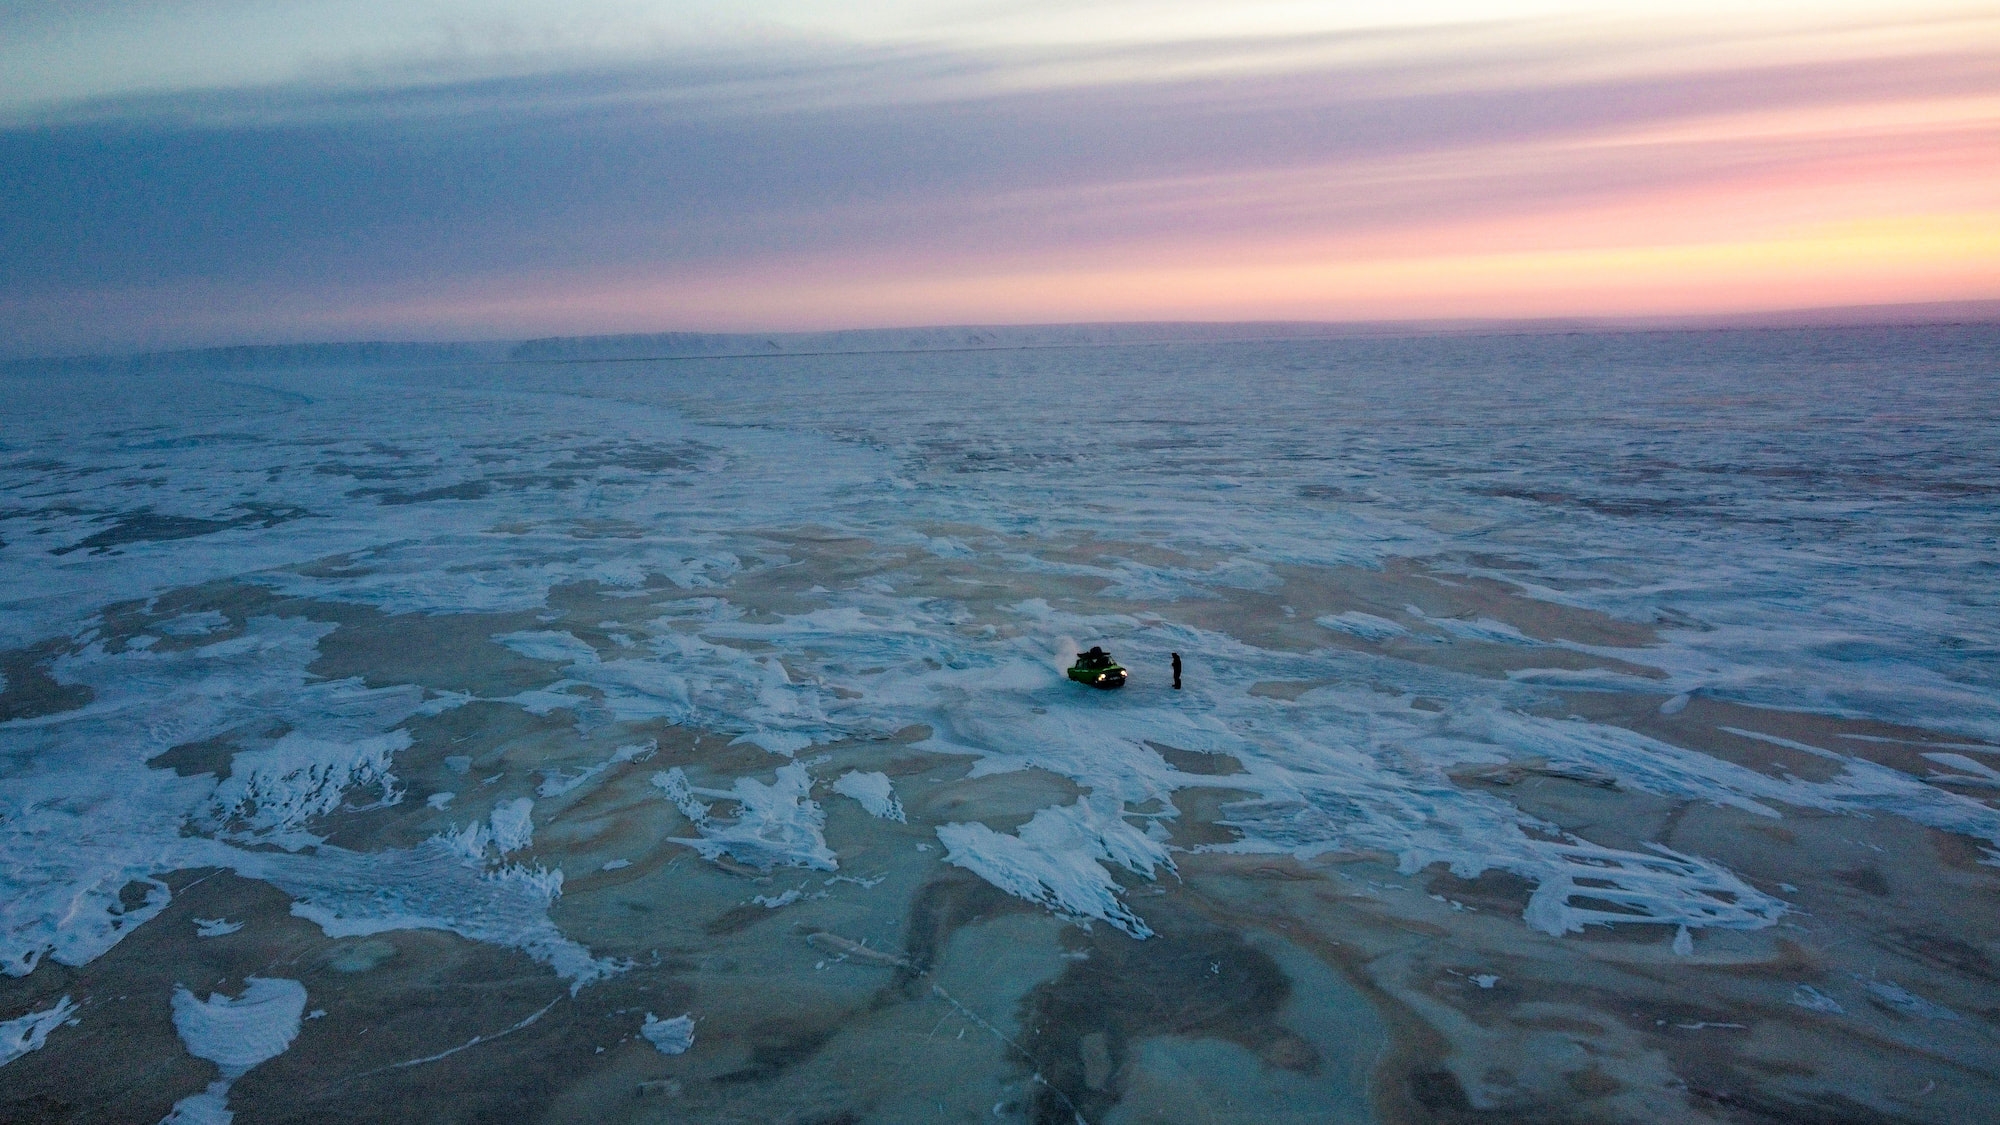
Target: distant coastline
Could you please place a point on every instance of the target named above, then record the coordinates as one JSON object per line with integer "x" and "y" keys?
{"x": 633, "y": 347}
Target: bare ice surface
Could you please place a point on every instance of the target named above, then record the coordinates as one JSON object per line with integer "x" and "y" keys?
{"x": 1595, "y": 728}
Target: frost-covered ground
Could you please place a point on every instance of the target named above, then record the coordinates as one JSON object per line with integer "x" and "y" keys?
{"x": 1602, "y": 726}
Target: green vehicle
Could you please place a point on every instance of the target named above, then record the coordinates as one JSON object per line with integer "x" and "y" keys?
{"x": 1097, "y": 669}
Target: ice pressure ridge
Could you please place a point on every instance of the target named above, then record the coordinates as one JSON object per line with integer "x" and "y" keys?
{"x": 1057, "y": 859}
{"x": 775, "y": 824}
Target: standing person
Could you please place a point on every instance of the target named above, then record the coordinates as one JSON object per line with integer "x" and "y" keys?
{"x": 1177, "y": 671}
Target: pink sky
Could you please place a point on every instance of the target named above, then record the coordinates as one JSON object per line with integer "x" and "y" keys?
{"x": 1635, "y": 161}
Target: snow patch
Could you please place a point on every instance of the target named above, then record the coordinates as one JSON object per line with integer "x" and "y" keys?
{"x": 194, "y": 624}
{"x": 210, "y": 1107}
{"x": 27, "y": 1033}
{"x": 237, "y": 1034}
{"x": 557, "y": 782}
{"x": 433, "y": 886}
{"x": 1813, "y": 1000}
{"x": 672, "y": 1037}
{"x": 1903, "y": 1000}
{"x": 513, "y": 827}
{"x": 874, "y": 793}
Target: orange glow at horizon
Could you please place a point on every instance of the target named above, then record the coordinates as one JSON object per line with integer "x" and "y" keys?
{"x": 1882, "y": 204}
{"x": 1869, "y": 196}
{"x": 1884, "y": 261}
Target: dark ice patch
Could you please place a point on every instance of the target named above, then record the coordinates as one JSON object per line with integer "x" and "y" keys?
{"x": 145, "y": 526}
{"x": 1940, "y": 952}
{"x": 1189, "y": 979}
{"x": 1493, "y": 889}
{"x": 1198, "y": 762}
{"x": 427, "y": 993}
{"x": 196, "y": 441}
{"x": 638, "y": 456}
{"x": 464, "y": 490}
{"x": 210, "y": 755}
{"x": 1866, "y": 879}
{"x": 777, "y": 1045}
{"x": 943, "y": 906}
{"x": 30, "y": 691}
{"x": 440, "y": 651}
{"x": 371, "y": 472}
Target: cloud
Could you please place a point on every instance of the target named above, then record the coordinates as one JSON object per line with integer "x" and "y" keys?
{"x": 567, "y": 200}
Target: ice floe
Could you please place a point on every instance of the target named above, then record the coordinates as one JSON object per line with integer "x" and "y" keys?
{"x": 478, "y": 521}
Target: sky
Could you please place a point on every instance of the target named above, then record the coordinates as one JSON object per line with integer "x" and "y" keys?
{"x": 193, "y": 172}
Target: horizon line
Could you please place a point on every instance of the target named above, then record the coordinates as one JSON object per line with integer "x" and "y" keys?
{"x": 1880, "y": 315}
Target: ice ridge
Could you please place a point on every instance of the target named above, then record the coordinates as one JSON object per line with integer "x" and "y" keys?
{"x": 775, "y": 825}
{"x": 1054, "y": 859}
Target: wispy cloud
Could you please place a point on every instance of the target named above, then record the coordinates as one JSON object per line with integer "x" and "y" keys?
{"x": 1535, "y": 165}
